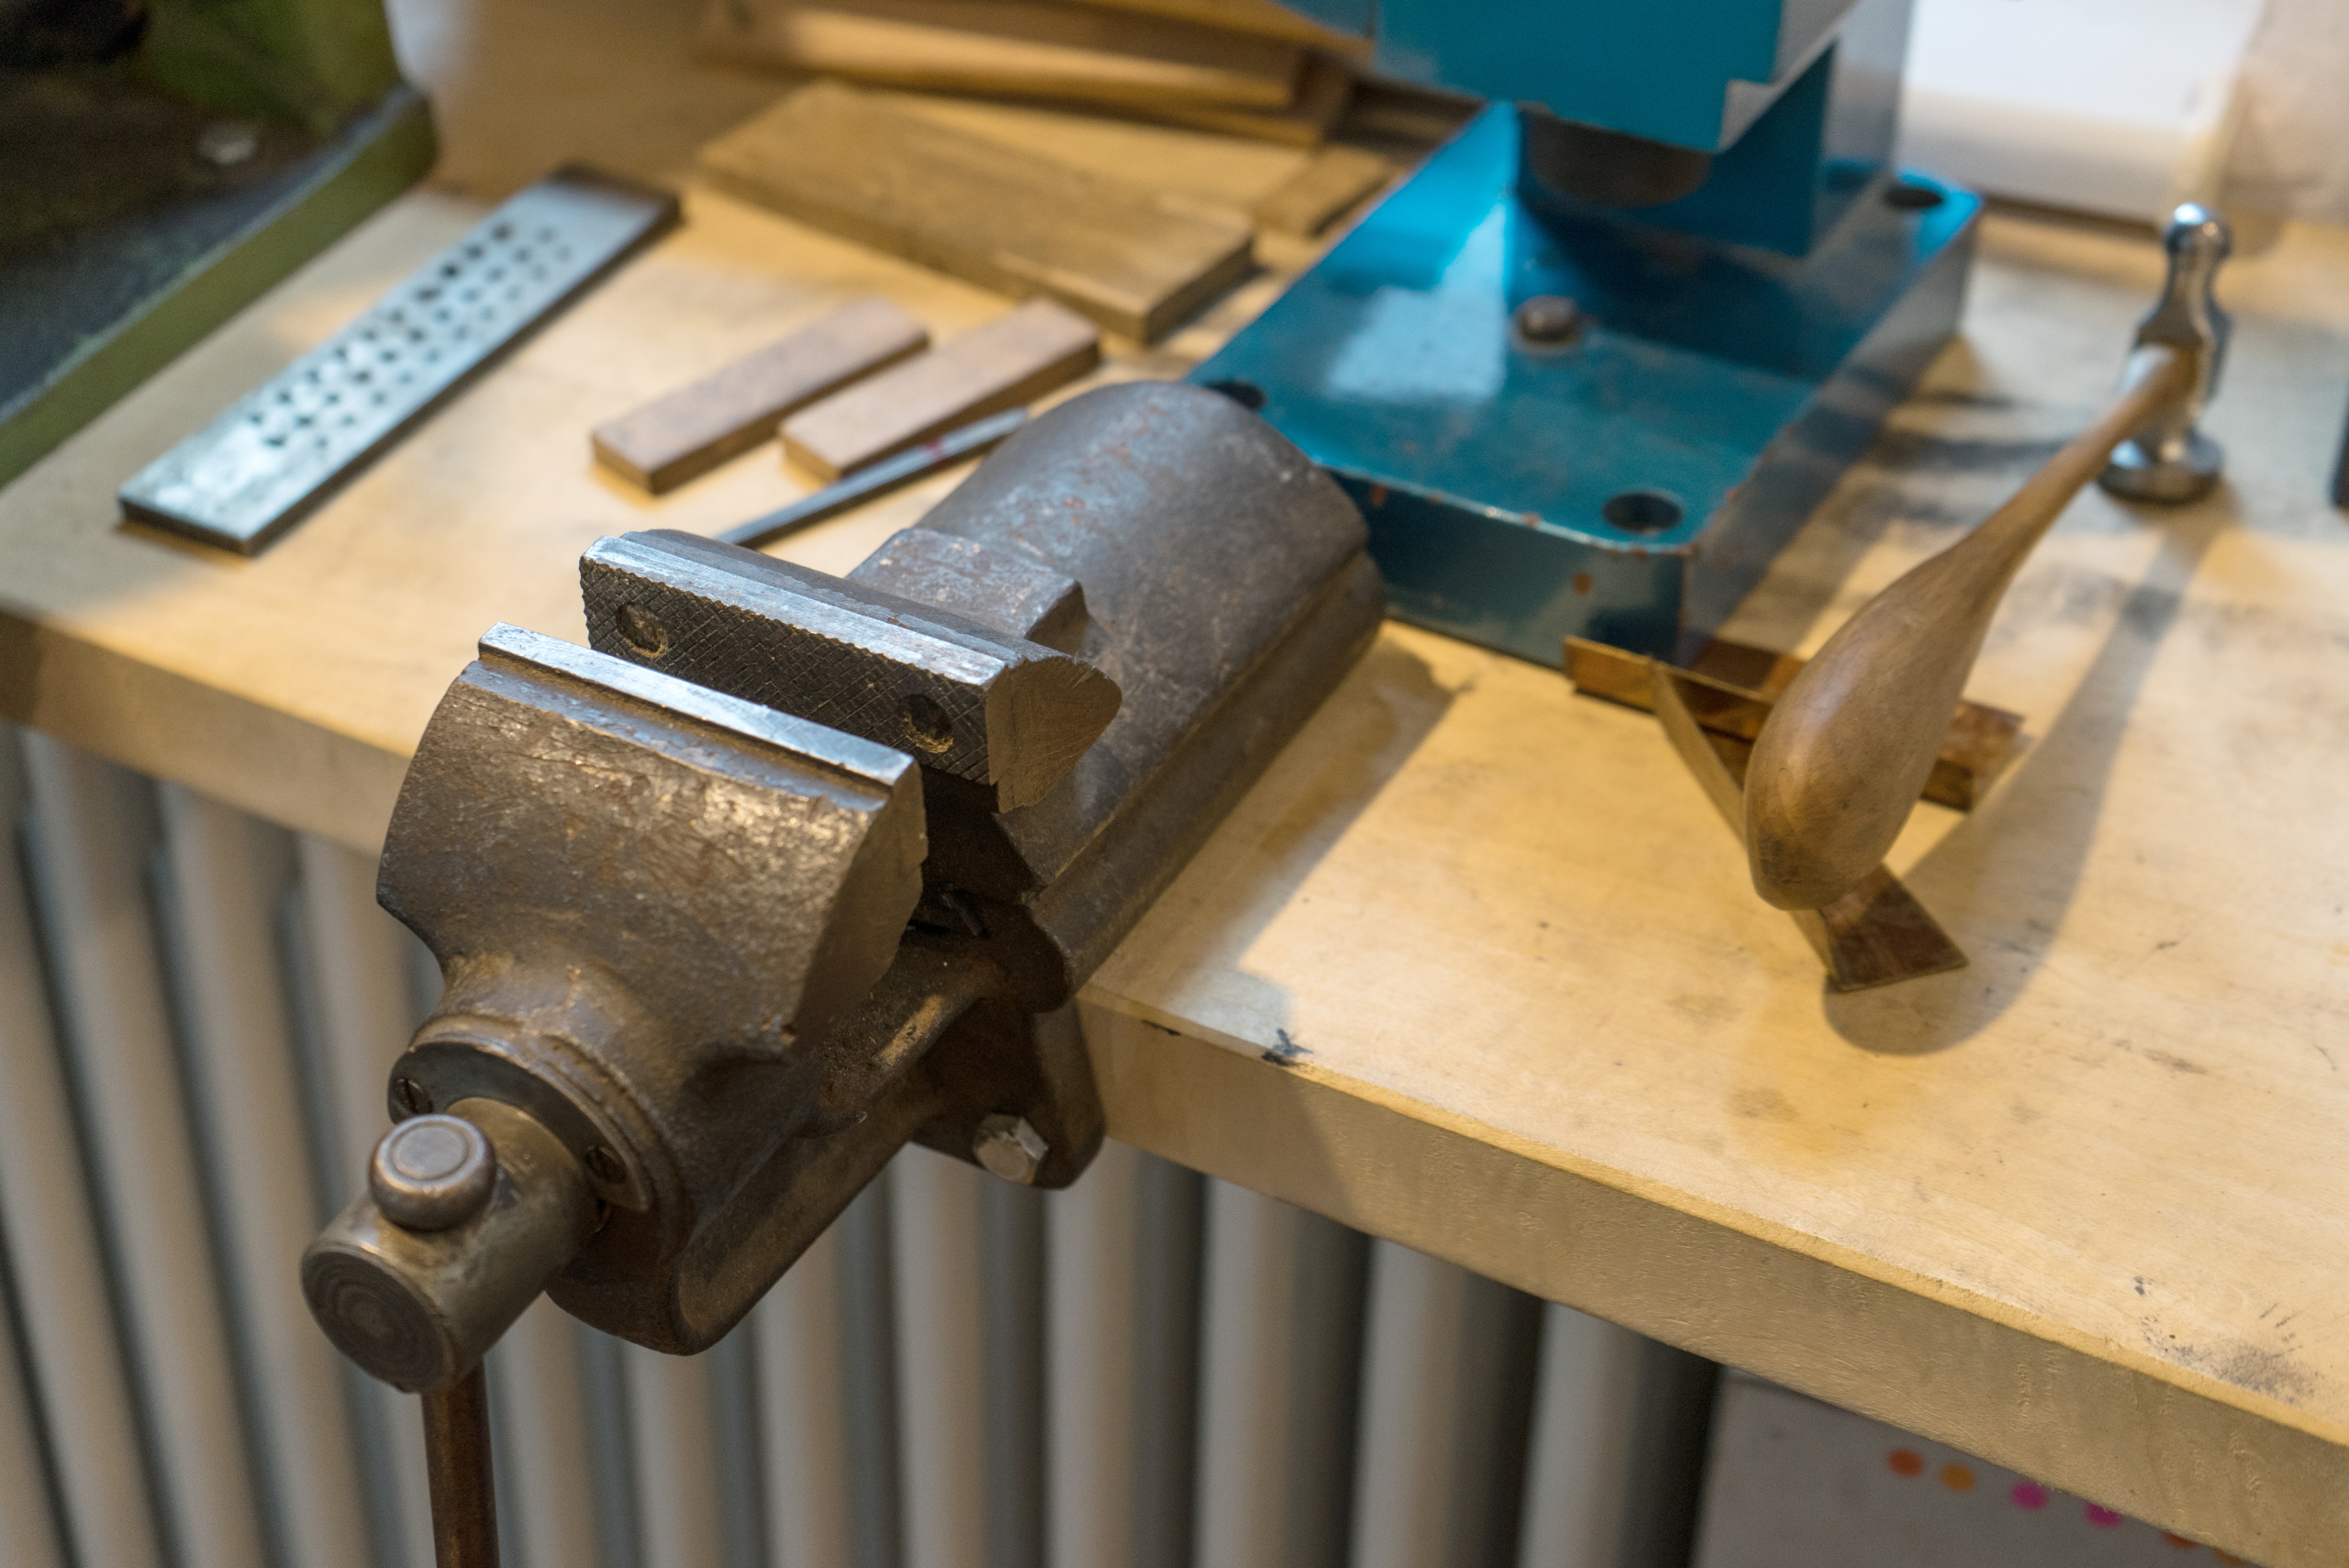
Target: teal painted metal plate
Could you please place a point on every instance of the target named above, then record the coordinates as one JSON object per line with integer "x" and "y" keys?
{"x": 1630, "y": 486}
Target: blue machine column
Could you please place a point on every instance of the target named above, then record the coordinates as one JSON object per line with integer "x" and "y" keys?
{"x": 1590, "y": 367}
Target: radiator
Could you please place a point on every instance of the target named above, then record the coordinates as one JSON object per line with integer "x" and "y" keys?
{"x": 197, "y": 1012}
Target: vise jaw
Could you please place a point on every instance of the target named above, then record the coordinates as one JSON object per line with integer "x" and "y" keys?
{"x": 787, "y": 870}
{"x": 968, "y": 699}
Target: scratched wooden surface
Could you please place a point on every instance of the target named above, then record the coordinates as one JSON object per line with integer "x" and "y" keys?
{"x": 1475, "y": 967}
{"x": 1481, "y": 970}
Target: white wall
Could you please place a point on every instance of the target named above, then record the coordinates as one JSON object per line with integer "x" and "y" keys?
{"x": 2291, "y": 153}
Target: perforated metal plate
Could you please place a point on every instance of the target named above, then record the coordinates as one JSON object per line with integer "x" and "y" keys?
{"x": 279, "y": 450}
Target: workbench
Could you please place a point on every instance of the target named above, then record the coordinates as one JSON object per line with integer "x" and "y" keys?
{"x": 1476, "y": 967}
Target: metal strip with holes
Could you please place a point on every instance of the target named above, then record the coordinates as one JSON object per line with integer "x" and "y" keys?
{"x": 279, "y": 450}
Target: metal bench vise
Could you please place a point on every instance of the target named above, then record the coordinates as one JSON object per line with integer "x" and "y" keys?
{"x": 787, "y": 870}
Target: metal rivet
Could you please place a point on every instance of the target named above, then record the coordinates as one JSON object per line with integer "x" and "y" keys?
{"x": 1549, "y": 320}
{"x": 409, "y": 1098}
{"x": 643, "y": 631}
{"x": 431, "y": 1173}
{"x": 1008, "y": 1147}
{"x": 927, "y": 724}
{"x": 228, "y": 144}
{"x": 605, "y": 1166}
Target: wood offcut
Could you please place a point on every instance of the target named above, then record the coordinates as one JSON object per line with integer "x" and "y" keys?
{"x": 1728, "y": 687}
{"x": 692, "y": 429}
{"x": 1325, "y": 91}
{"x": 1267, "y": 18}
{"x": 1332, "y": 181}
{"x": 1405, "y": 111}
{"x": 852, "y": 162}
{"x": 1010, "y": 360}
{"x": 1011, "y": 46}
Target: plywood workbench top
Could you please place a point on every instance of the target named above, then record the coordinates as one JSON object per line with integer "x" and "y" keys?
{"x": 1475, "y": 966}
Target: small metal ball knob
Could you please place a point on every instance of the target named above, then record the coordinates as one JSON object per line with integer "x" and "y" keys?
{"x": 1010, "y": 1149}
{"x": 433, "y": 1172}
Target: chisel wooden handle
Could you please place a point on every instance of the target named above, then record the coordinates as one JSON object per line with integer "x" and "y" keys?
{"x": 1847, "y": 747}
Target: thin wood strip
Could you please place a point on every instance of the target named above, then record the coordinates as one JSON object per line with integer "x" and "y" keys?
{"x": 1333, "y": 180}
{"x": 1265, "y": 17}
{"x": 1980, "y": 743}
{"x": 1325, "y": 91}
{"x": 1007, "y": 46}
{"x": 1007, "y": 362}
{"x": 691, "y": 430}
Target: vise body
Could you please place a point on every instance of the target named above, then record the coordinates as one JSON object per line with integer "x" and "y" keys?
{"x": 784, "y": 871}
{"x": 790, "y": 869}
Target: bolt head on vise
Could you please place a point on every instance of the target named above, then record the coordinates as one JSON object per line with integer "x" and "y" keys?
{"x": 432, "y": 1171}
{"x": 1009, "y": 1149}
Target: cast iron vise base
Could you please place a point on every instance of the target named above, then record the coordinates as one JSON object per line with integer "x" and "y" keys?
{"x": 788, "y": 870}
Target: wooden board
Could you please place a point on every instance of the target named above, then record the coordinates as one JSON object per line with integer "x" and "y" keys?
{"x": 1185, "y": 169}
{"x": 1007, "y": 46}
{"x": 692, "y": 429}
{"x": 1325, "y": 89}
{"x": 1334, "y": 181}
{"x": 854, "y": 164}
{"x": 2077, "y": 1209}
{"x": 1406, "y": 111}
{"x": 1006, "y": 362}
{"x": 1267, "y": 18}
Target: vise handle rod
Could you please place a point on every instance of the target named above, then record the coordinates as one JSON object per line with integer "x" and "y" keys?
{"x": 1845, "y": 750}
{"x": 458, "y": 1473}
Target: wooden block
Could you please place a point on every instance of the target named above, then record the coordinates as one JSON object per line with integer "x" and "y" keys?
{"x": 1323, "y": 93}
{"x": 1728, "y": 687}
{"x": 696, "y": 428}
{"x": 1333, "y": 180}
{"x": 847, "y": 160}
{"x": 1407, "y": 112}
{"x": 1010, "y": 360}
{"x": 1266, "y": 18}
{"x": 1007, "y": 46}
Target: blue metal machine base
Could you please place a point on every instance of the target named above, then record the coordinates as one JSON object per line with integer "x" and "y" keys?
{"x": 1630, "y": 486}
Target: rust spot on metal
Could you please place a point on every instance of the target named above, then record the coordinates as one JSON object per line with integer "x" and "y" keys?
{"x": 1582, "y": 581}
